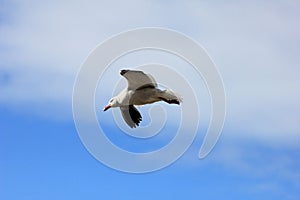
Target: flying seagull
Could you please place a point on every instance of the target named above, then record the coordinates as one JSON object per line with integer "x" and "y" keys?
{"x": 142, "y": 89}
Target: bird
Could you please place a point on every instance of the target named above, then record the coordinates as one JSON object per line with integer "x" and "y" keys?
{"x": 141, "y": 89}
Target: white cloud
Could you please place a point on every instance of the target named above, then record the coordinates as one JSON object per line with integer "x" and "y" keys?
{"x": 254, "y": 44}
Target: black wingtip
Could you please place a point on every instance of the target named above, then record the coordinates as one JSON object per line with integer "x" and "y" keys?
{"x": 135, "y": 116}
{"x": 124, "y": 71}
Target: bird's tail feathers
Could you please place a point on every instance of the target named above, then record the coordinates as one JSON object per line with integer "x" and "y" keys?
{"x": 171, "y": 95}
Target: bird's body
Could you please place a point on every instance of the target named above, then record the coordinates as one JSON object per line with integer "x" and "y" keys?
{"x": 142, "y": 89}
{"x": 140, "y": 97}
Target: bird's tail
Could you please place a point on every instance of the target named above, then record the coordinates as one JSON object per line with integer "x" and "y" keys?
{"x": 171, "y": 97}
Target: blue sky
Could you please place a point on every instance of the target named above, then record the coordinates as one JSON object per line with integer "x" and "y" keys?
{"x": 255, "y": 46}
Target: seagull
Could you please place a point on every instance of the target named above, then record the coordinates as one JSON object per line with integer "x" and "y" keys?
{"x": 142, "y": 89}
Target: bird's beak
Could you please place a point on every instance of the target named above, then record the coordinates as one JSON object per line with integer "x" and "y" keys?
{"x": 107, "y": 107}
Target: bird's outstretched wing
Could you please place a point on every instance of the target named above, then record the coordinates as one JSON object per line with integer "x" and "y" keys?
{"x": 131, "y": 115}
{"x": 138, "y": 80}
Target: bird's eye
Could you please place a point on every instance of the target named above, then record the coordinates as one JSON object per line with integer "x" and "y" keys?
{"x": 111, "y": 101}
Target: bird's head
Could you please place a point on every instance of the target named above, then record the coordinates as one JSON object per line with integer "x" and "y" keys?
{"x": 112, "y": 103}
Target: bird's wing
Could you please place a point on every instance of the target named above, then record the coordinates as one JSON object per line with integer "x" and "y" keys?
{"x": 131, "y": 115}
{"x": 138, "y": 80}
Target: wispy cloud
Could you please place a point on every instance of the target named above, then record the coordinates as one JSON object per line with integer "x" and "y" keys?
{"x": 274, "y": 169}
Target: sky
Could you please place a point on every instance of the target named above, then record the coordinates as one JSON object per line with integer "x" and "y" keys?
{"x": 254, "y": 45}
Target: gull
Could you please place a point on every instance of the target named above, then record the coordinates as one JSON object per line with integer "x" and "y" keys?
{"x": 142, "y": 89}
